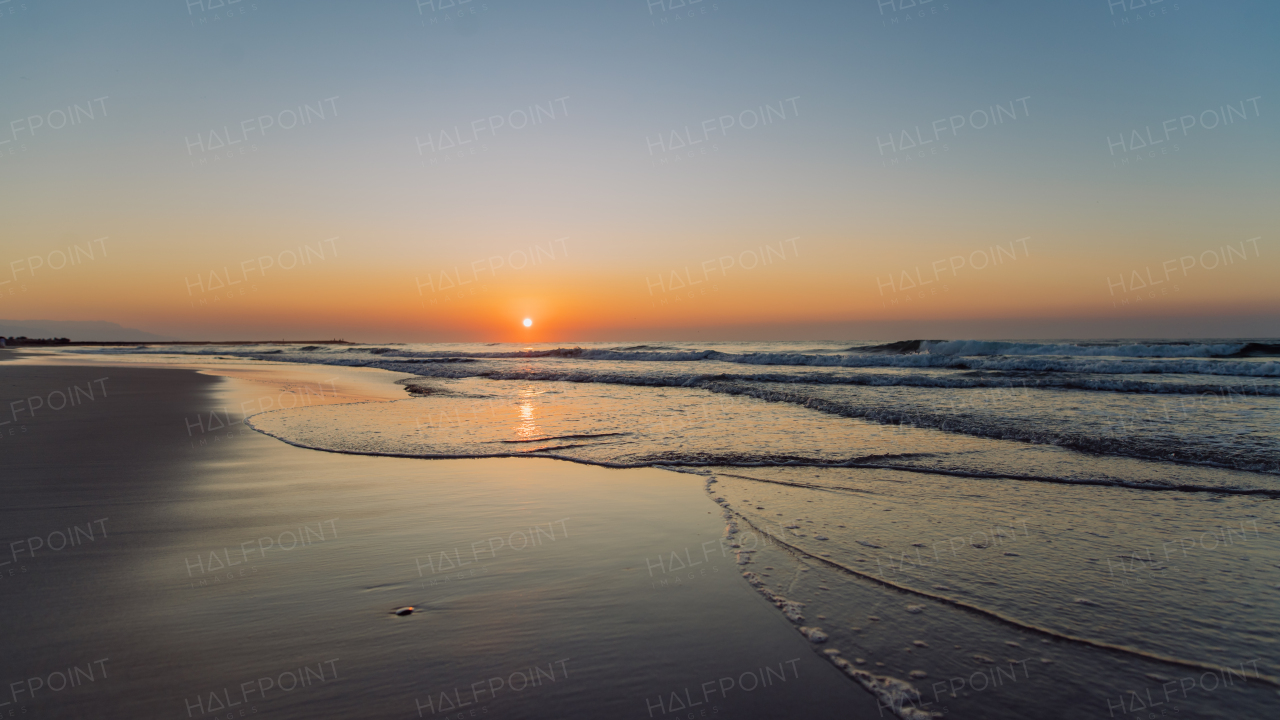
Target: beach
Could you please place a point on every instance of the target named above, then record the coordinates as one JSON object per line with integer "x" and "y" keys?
{"x": 632, "y": 525}
{"x": 212, "y": 571}
{"x": 645, "y": 360}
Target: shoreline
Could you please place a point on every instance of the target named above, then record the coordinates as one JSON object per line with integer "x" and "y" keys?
{"x": 892, "y": 637}
{"x": 42, "y": 343}
{"x": 171, "y": 509}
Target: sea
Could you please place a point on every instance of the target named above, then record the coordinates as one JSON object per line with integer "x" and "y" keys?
{"x": 966, "y": 528}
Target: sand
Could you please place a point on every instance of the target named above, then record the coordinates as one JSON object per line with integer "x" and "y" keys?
{"x": 216, "y": 572}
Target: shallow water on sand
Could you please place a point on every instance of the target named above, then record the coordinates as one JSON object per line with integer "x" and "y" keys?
{"x": 1208, "y": 402}
{"x": 1090, "y": 592}
{"x": 1093, "y": 575}
{"x": 239, "y": 575}
{"x": 989, "y": 530}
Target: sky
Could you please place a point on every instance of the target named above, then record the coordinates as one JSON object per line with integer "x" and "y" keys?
{"x": 434, "y": 171}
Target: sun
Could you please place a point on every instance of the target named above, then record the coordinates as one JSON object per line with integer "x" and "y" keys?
{"x": 528, "y": 322}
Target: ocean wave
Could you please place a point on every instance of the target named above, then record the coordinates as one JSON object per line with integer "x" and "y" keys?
{"x": 901, "y": 347}
{"x": 1229, "y": 430}
{"x": 1139, "y": 350}
{"x": 1139, "y": 435}
{"x": 958, "y": 381}
{"x": 688, "y": 429}
{"x": 1130, "y": 359}
{"x": 261, "y": 423}
{"x": 1100, "y": 363}
{"x": 973, "y": 348}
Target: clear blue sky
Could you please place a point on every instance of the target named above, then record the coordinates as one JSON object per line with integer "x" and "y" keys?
{"x": 175, "y": 77}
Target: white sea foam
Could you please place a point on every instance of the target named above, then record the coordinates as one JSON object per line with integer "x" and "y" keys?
{"x": 948, "y": 434}
{"x": 991, "y": 347}
{"x": 1128, "y": 358}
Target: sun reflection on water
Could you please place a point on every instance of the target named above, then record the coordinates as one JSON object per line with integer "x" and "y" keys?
{"x": 528, "y": 427}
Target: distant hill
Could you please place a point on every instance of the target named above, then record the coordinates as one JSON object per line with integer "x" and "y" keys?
{"x": 76, "y": 330}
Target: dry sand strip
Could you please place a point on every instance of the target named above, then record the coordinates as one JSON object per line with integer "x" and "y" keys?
{"x": 153, "y": 575}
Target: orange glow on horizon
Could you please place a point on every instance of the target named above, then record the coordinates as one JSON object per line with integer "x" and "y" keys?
{"x": 363, "y": 298}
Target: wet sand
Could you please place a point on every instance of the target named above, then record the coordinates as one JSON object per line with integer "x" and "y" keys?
{"x": 164, "y": 560}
